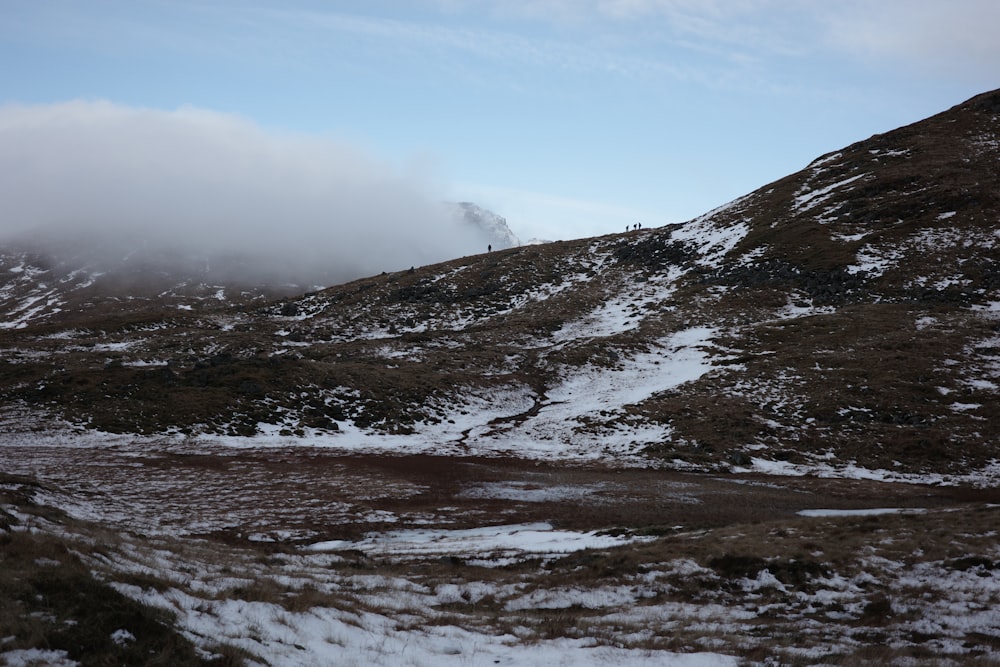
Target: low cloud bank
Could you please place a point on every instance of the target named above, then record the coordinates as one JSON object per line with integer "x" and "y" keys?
{"x": 206, "y": 184}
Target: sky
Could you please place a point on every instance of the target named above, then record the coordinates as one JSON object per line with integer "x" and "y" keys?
{"x": 571, "y": 118}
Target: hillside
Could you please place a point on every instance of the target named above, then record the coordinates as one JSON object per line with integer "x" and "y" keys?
{"x": 843, "y": 316}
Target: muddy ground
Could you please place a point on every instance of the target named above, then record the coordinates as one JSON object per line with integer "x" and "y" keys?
{"x": 296, "y": 495}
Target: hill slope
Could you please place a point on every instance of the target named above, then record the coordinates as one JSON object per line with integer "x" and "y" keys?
{"x": 845, "y": 316}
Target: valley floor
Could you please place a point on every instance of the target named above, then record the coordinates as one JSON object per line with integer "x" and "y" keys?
{"x": 307, "y": 556}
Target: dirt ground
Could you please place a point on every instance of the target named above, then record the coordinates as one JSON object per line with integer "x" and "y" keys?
{"x": 297, "y": 495}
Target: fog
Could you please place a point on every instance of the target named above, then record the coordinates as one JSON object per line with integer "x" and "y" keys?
{"x": 309, "y": 209}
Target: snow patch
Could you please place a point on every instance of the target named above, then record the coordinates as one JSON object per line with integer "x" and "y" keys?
{"x": 806, "y": 199}
{"x": 35, "y": 657}
{"x": 713, "y": 241}
{"x": 874, "y": 511}
{"x": 503, "y": 541}
{"x": 820, "y": 161}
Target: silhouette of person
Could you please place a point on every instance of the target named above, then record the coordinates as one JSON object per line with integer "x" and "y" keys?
{"x": 489, "y": 248}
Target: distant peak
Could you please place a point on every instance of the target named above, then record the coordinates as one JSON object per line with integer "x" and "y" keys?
{"x": 493, "y": 227}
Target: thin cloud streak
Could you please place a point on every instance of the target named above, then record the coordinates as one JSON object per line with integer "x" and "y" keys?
{"x": 215, "y": 184}
{"x": 949, "y": 37}
{"x": 494, "y": 45}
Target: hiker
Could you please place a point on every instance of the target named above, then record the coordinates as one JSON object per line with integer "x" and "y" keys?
{"x": 489, "y": 248}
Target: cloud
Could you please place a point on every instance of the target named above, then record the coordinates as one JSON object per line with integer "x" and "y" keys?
{"x": 949, "y": 38}
{"x": 307, "y": 207}
{"x": 732, "y": 22}
{"x": 956, "y": 38}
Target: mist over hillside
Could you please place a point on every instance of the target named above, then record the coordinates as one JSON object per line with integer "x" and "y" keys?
{"x": 97, "y": 183}
{"x": 897, "y": 231}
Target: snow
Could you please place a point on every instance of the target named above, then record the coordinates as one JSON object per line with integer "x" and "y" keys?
{"x": 681, "y": 358}
{"x": 146, "y": 363}
{"x": 620, "y": 313}
{"x": 564, "y": 598}
{"x": 799, "y": 305}
{"x": 847, "y": 470}
{"x": 34, "y": 657}
{"x": 579, "y": 418}
{"x": 526, "y": 493}
{"x": 875, "y": 261}
{"x": 114, "y": 347}
{"x": 782, "y": 468}
{"x": 735, "y": 205}
{"x": 983, "y": 385}
{"x": 849, "y": 238}
{"x": 591, "y": 395}
{"x": 806, "y": 199}
{"x": 764, "y": 579}
{"x": 122, "y": 637}
{"x": 819, "y": 162}
{"x": 323, "y": 636}
{"x": 27, "y": 310}
{"x": 863, "y": 512}
{"x": 520, "y": 539}
{"x": 985, "y": 477}
{"x": 713, "y": 241}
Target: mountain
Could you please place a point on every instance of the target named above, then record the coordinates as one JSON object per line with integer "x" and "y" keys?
{"x": 493, "y": 226}
{"x": 846, "y": 316}
{"x": 65, "y": 278}
{"x": 87, "y": 279}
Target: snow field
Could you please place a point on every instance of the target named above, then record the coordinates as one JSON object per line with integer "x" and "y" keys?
{"x": 380, "y": 620}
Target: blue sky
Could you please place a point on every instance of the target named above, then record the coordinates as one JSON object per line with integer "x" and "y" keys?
{"x": 569, "y": 117}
